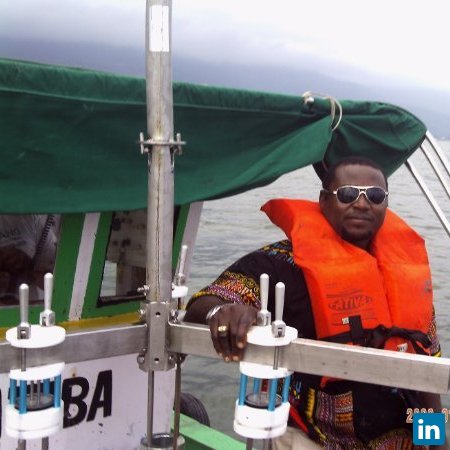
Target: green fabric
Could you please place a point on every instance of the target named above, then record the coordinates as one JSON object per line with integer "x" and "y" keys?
{"x": 68, "y": 139}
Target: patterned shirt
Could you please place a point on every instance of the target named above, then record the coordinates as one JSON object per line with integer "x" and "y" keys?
{"x": 339, "y": 414}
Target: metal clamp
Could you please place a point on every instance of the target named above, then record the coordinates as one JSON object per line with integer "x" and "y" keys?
{"x": 143, "y": 289}
{"x": 174, "y": 145}
{"x": 157, "y": 357}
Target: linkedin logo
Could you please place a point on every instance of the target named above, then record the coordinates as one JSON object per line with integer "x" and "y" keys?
{"x": 429, "y": 429}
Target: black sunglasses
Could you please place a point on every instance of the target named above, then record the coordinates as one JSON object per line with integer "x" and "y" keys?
{"x": 349, "y": 194}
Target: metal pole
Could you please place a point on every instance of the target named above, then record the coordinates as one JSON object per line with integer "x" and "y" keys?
{"x": 176, "y": 419}
{"x": 160, "y": 147}
{"x": 160, "y": 164}
{"x": 438, "y": 173}
{"x": 150, "y": 397}
{"x": 429, "y": 196}
{"x": 438, "y": 151}
{"x": 23, "y": 332}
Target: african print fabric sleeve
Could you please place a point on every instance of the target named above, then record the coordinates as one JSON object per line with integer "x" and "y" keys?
{"x": 435, "y": 348}
{"x": 239, "y": 283}
{"x": 232, "y": 287}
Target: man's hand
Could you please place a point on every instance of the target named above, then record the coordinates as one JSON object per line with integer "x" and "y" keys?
{"x": 229, "y": 327}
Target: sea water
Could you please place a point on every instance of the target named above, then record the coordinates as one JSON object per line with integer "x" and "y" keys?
{"x": 234, "y": 226}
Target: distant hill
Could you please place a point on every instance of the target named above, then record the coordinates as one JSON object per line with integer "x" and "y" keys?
{"x": 430, "y": 105}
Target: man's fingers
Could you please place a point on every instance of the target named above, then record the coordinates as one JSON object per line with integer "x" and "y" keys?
{"x": 239, "y": 328}
{"x": 229, "y": 327}
{"x": 224, "y": 338}
{"x": 220, "y": 336}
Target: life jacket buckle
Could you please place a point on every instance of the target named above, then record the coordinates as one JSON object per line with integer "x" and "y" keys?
{"x": 402, "y": 347}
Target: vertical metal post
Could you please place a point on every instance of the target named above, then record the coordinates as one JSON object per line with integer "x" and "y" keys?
{"x": 150, "y": 397}
{"x": 177, "y": 403}
{"x": 160, "y": 164}
{"x": 23, "y": 332}
{"x": 160, "y": 214}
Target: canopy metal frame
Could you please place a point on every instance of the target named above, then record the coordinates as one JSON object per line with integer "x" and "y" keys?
{"x": 435, "y": 151}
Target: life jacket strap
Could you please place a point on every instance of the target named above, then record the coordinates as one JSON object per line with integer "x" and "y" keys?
{"x": 356, "y": 330}
{"x": 377, "y": 337}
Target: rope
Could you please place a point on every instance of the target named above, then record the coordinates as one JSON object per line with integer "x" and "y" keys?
{"x": 308, "y": 98}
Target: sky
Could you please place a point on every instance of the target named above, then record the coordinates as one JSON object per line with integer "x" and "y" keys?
{"x": 396, "y": 38}
{"x": 401, "y": 41}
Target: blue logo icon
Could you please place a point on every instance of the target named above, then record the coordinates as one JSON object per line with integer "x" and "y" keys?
{"x": 428, "y": 428}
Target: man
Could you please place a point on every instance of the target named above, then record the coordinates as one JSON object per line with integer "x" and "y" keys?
{"x": 27, "y": 252}
{"x": 354, "y": 273}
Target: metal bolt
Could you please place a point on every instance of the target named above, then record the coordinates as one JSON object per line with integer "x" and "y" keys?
{"x": 141, "y": 356}
{"x": 144, "y": 149}
{"x": 143, "y": 289}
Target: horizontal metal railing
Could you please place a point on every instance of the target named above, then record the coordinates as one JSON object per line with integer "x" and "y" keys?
{"x": 368, "y": 365}
{"x": 403, "y": 370}
{"x": 79, "y": 346}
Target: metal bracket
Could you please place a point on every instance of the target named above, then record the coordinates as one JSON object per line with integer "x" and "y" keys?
{"x": 174, "y": 145}
{"x": 157, "y": 357}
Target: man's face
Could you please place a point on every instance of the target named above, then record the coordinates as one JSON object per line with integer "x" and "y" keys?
{"x": 356, "y": 222}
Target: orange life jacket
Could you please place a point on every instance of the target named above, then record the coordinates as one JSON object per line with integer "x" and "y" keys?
{"x": 386, "y": 293}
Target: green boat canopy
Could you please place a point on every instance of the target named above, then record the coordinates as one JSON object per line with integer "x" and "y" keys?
{"x": 69, "y": 139}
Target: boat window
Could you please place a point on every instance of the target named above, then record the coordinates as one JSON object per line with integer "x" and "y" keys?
{"x": 124, "y": 270}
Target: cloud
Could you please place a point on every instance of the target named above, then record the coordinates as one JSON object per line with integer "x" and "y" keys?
{"x": 102, "y": 21}
{"x": 406, "y": 39}
{"x": 403, "y": 38}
